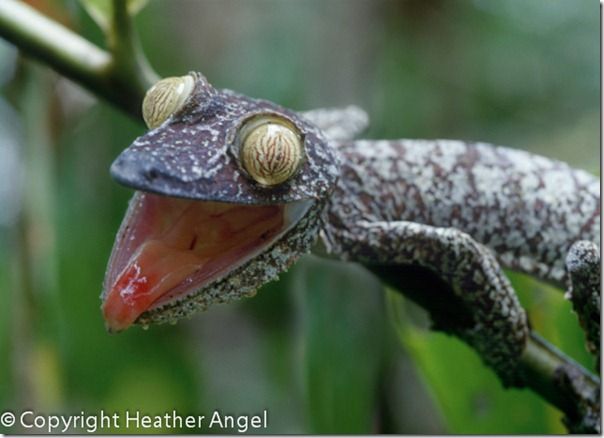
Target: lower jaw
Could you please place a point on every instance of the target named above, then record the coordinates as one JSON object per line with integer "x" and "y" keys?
{"x": 169, "y": 248}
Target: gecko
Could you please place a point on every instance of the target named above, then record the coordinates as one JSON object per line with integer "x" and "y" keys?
{"x": 231, "y": 190}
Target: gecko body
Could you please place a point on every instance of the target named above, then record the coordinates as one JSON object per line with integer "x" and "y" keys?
{"x": 203, "y": 229}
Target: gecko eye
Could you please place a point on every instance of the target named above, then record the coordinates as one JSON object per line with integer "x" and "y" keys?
{"x": 165, "y": 98}
{"x": 271, "y": 149}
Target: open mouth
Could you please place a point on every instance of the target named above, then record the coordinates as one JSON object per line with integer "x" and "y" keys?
{"x": 168, "y": 248}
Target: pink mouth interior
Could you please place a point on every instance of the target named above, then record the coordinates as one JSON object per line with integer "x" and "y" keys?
{"x": 169, "y": 247}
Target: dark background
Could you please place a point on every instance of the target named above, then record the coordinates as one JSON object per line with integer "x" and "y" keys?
{"x": 324, "y": 349}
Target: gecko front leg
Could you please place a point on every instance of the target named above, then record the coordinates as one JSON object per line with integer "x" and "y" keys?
{"x": 498, "y": 329}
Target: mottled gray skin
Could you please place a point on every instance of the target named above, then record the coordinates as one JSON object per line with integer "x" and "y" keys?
{"x": 458, "y": 209}
{"x": 583, "y": 262}
{"x": 527, "y": 209}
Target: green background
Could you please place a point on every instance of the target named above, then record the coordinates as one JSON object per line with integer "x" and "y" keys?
{"x": 324, "y": 350}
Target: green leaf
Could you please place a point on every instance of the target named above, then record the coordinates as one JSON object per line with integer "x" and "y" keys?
{"x": 101, "y": 10}
{"x": 552, "y": 316}
{"x": 468, "y": 393}
{"x": 343, "y": 333}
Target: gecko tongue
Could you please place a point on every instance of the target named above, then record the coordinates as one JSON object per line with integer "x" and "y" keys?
{"x": 169, "y": 247}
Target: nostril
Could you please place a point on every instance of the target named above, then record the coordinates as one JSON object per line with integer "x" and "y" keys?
{"x": 148, "y": 171}
{"x": 151, "y": 174}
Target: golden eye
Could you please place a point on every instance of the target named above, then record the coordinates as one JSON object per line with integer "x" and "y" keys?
{"x": 165, "y": 98}
{"x": 271, "y": 149}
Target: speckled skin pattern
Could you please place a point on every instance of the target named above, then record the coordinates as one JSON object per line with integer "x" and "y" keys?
{"x": 527, "y": 209}
{"x": 458, "y": 209}
{"x": 583, "y": 264}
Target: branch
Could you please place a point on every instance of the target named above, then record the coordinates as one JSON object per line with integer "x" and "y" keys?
{"x": 564, "y": 383}
{"x": 128, "y": 60}
{"x": 121, "y": 77}
{"x": 542, "y": 367}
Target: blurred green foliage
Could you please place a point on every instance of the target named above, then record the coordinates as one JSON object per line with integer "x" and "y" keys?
{"x": 344, "y": 338}
{"x": 322, "y": 350}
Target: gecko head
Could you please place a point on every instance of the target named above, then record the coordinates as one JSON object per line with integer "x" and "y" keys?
{"x": 229, "y": 193}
